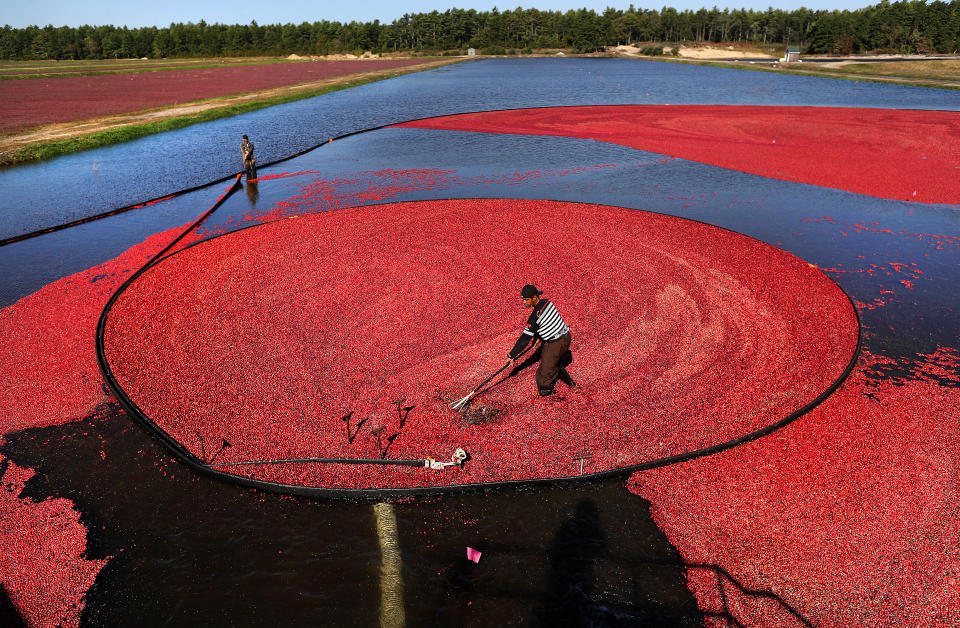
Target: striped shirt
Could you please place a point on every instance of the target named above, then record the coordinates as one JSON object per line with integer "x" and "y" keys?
{"x": 544, "y": 323}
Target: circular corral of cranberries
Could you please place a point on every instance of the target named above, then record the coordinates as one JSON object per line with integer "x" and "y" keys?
{"x": 685, "y": 336}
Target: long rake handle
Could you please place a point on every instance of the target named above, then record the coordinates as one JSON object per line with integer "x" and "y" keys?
{"x": 463, "y": 401}
{"x": 486, "y": 381}
{"x": 473, "y": 392}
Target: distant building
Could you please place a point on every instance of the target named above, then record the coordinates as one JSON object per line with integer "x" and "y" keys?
{"x": 472, "y": 52}
{"x": 792, "y": 55}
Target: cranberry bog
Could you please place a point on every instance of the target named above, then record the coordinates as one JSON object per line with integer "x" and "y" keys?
{"x": 29, "y": 103}
{"x": 48, "y": 69}
{"x": 669, "y": 366}
{"x": 765, "y": 345}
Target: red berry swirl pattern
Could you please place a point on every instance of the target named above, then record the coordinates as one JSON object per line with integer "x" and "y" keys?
{"x": 685, "y": 336}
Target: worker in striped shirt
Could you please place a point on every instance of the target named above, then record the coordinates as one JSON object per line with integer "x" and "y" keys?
{"x": 546, "y": 325}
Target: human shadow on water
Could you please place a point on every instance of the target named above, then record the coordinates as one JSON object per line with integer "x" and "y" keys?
{"x": 578, "y": 544}
{"x": 549, "y": 557}
{"x": 184, "y": 549}
{"x": 588, "y": 554}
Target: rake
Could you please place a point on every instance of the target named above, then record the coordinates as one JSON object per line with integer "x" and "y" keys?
{"x": 460, "y": 404}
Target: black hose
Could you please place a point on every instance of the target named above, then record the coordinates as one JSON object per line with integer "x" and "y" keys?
{"x": 120, "y": 210}
{"x": 394, "y": 461}
{"x": 107, "y": 214}
{"x": 116, "y": 390}
{"x": 378, "y": 494}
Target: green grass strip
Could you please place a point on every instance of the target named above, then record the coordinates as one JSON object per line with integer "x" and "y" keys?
{"x": 47, "y": 150}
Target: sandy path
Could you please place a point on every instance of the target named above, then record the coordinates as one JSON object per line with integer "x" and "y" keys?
{"x": 700, "y": 52}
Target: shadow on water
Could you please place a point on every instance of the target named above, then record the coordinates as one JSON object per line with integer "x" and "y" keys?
{"x": 549, "y": 558}
{"x": 574, "y": 553}
{"x": 188, "y": 550}
{"x": 9, "y": 616}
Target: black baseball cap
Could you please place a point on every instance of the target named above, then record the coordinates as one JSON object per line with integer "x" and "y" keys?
{"x": 529, "y": 291}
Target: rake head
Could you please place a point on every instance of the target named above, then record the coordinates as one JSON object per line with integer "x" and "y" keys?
{"x": 460, "y": 404}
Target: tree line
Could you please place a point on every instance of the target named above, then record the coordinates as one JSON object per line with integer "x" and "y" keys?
{"x": 908, "y": 26}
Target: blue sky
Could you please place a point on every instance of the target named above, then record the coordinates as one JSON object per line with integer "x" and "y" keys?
{"x": 160, "y": 13}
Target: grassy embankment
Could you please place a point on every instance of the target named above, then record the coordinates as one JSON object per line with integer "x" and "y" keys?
{"x": 947, "y": 69}
{"x": 940, "y": 74}
{"x": 211, "y": 110}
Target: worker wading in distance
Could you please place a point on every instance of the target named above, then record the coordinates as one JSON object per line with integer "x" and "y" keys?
{"x": 546, "y": 325}
{"x": 249, "y": 163}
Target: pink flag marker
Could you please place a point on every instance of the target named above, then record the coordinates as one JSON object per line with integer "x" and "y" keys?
{"x": 473, "y": 554}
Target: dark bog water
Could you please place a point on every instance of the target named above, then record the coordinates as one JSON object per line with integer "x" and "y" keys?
{"x": 190, "y": 551}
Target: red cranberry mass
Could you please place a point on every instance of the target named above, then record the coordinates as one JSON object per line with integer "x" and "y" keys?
{"x": 902, "y": 154}
{"x": 269, "y": 336}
